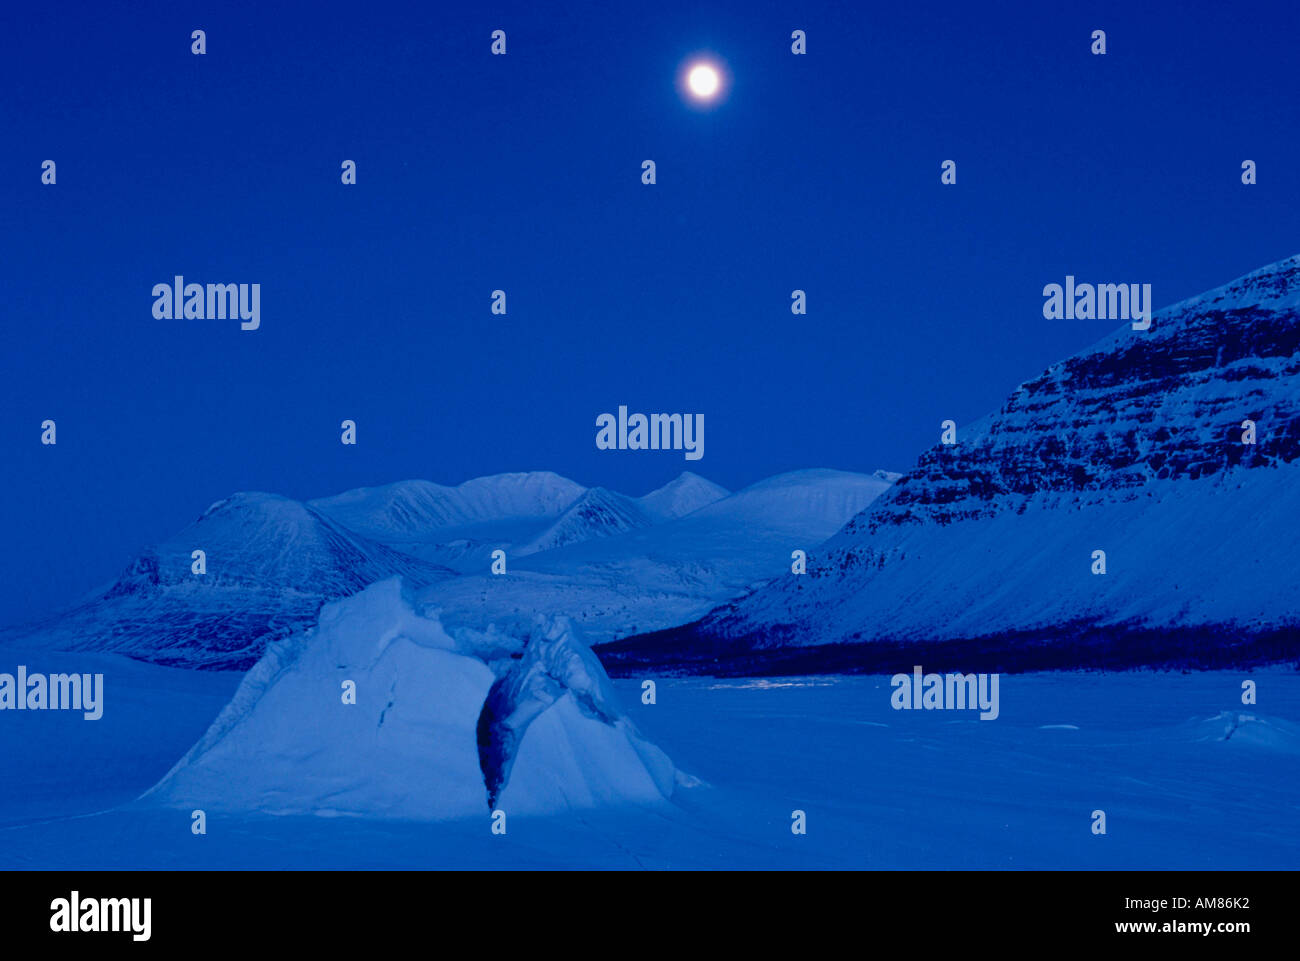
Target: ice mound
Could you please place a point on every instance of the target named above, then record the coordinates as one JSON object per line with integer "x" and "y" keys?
{"x": 444, "y": 725}
{"x": 554, "y": 692}
{"x": 1241, "y": 727}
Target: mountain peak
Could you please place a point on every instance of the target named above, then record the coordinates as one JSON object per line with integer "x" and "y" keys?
{"x": 1155, "y": 457}
{"x": 254, "y": 567}
{"x": 1275, "y": 286}
{"x": 686, "y": 493}
{"x": 598, "y": 512}
{"x": 409, "y": 509}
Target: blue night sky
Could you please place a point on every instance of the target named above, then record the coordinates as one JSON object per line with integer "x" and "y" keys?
{"x": 522, "y": 172}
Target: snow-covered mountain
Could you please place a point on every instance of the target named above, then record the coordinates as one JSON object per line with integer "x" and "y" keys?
{"x": 380, "y": 712}
{"x": 614, "y": 564}
{"x": 656, "y": 576}
{"x": 271, "y": 562}
{"x": 985, "y": 552}
{"x": 810, "y": 503}
{"x": 525, "y": 513}
{"x": 686, "y": 493}
{"x": 413, "y": 510}
{"x": 459, "y": 526}
{"x": 601, "y": 513}
{"x": 597, "y": 513}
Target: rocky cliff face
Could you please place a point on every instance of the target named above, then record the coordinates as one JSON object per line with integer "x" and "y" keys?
{"x": 1161, "y": 404}
{"x": 1134, "y": 448}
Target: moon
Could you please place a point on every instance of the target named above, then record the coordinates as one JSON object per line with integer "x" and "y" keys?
{"x": 703, "y": 81}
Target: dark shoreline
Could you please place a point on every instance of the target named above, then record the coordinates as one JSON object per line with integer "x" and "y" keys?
{"x": 690, "y": 650}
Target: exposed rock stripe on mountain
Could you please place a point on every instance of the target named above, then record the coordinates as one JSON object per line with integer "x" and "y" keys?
{"x": 983, "y": 554}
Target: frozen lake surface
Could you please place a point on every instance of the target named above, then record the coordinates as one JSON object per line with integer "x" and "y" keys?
{"x": 1188, "y": 778}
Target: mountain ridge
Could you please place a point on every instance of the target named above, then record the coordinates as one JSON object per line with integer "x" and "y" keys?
{"x": 272, "y": 562}
{"x": 986, "y": 548}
